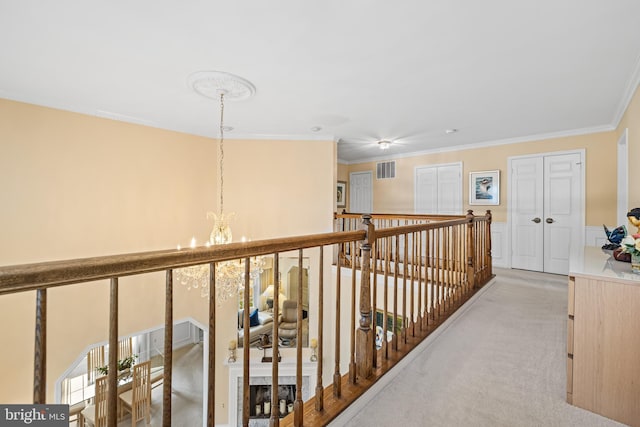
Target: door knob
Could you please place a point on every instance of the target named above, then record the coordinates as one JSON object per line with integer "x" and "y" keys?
{"x": 549, "y": 220}
{"x": 536, "y": 220}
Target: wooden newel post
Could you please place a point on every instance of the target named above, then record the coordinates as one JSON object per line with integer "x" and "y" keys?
{"x": 364, "y": 334}
{"x": 471, "y": 250}
{"x": 488, "y": 240}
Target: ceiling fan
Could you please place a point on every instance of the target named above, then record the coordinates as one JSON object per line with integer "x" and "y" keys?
{"x": 374, "y": 145}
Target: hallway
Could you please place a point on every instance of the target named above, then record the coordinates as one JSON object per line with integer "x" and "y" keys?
{"x": 501, "y": 363}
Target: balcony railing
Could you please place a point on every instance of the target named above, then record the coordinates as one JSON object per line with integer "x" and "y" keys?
{"x": 414, "y": 270}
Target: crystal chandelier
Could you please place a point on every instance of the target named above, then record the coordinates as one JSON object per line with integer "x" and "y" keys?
{"x": 229, "y": 274}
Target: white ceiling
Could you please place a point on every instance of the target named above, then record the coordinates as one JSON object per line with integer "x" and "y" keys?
{"x": 406, "y": 71}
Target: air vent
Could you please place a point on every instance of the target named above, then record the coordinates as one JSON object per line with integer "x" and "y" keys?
{"x": 386, "y": 170}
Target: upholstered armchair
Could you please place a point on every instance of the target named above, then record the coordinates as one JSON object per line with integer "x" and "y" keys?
{"x": 287, "y": 328}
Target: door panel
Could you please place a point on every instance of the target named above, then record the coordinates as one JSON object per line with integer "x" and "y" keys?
{"x": 450, "y": 190}
{"x": 527, "y": 197}
{"x": 361, "y": 192}
{"x": 426, "y": 190}
{"x": 562, "y": 210}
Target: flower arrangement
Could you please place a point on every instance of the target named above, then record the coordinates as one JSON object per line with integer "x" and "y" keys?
{"x": 631, "y": 244}
{"x": 123, "y": 364}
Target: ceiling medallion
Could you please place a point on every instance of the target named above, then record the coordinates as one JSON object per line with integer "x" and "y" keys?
{"x": 211, "y": 84}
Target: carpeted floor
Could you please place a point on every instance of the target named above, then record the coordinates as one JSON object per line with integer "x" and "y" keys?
{"x": 502, "y": 363}
{"x": 186, "y": 390}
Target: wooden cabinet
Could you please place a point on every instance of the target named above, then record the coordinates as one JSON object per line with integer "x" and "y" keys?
{"x": 603, "y": 337}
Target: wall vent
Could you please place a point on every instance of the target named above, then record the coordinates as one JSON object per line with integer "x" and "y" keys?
{"x": 386, "y": 170}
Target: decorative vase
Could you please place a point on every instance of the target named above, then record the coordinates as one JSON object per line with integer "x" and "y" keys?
{"x": 635, "y": 263}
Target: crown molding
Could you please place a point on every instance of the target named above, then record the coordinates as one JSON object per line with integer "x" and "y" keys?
{"x": 124, "y": 118}
{"x": 274, "y": 137}
{"x": 507, "y": 141}
{"x": 629, "y": 91}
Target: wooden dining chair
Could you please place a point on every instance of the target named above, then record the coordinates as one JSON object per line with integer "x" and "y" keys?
{"x": 137, "y": 401}
{"x": 96, "y": 414}
{"x": 95, "y": 360}
{"x": 125, "y": 348}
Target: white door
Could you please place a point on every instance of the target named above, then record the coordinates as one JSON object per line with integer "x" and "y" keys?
{"x": 527, "y": 186}
{"x": 438, "y": 189}
{"x": 426, "y": 190}
{"x": 546, "y": 211}
{"x": 361, "y": 192}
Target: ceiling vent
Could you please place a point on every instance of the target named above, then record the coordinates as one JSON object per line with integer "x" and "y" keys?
{"x": 386, "y": 170}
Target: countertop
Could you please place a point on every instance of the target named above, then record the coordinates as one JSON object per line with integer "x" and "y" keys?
{"x": 599, "y": 264}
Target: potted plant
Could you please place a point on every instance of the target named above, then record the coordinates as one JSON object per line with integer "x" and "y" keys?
{"x": 123, "y": 365}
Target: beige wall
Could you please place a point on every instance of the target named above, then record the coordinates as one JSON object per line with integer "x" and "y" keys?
{"x": 397, "y": 195}
{"x": 631, "y": 120}
{"x": 75, "y": 186}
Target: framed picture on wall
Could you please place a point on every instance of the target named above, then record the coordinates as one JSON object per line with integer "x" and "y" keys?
{"x": 341, "y": 194}
{"x": 380, "y": 321}
{"x": 484, "y": 188}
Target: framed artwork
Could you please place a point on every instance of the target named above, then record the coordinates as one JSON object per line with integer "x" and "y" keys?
{"x": 484, "y": 188}
{"x": 380, "y": 320}
{"x": 341, "y": 194}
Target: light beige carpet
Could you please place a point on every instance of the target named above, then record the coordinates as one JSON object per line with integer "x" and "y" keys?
{"x": 502, "y": 363}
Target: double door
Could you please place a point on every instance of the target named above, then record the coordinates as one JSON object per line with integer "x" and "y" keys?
{"x": 547, "y": 219}
{"x": 438, "y": 189}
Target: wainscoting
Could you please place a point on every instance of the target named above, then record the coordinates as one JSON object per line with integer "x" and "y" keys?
{"x": 501, "y": 241}
{"x": 500, "y": 245}
{"x": 594, "y": 235}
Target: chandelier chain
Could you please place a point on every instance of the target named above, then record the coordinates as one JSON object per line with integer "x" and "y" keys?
{"x": 221, "y": 153}
{"x": 228, "y": 276}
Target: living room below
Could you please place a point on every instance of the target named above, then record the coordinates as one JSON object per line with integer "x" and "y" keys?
{"x": 262, "y": 299}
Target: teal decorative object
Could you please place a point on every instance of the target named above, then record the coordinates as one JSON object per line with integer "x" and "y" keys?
{"x": 614, "y": 237}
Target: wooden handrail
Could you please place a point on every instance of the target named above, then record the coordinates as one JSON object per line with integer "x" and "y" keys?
{"x": 415, "y": 228}
{"x": 29, "y": 277}
{"x": 433, "y": 217}
{"x": 440, "y": 261}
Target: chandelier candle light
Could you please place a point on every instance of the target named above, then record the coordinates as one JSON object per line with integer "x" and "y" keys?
{"x": 229, "y": 274}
